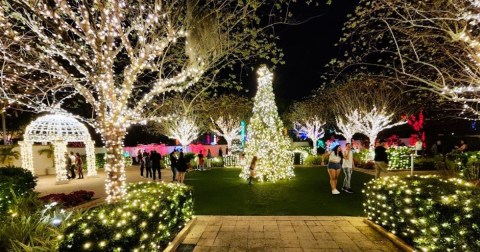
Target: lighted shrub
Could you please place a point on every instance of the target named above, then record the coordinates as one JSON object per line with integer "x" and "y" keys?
{"x": 399, "y": 157}
{"x": 427, "y": 212}
{"x": 148, "y": 218}
{"x": 14, "y": 181}
{"x": 313, "y": 160}
{"x": 69, "y": 200}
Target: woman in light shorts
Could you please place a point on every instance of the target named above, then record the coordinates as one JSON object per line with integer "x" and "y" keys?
{"x": 334, "y": 166}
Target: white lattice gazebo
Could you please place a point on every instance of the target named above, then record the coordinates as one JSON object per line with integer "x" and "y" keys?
{"x": 59, "y": 130}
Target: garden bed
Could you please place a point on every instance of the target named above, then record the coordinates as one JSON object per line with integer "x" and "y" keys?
{"x": 427, "y": 212}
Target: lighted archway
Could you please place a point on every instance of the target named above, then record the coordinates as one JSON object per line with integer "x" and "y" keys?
{"x": 59, "y": 130}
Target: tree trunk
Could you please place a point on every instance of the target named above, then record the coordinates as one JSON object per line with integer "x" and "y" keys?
{"x": 372, "y": 142}
{"x": 229, "y": 143}
{"x": 4, "y": 128}
{"x": 314, "y": 148}
{"x": 115, "y": 165}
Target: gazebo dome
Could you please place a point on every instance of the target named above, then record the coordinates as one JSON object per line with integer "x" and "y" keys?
{"x": 56, "y": 127}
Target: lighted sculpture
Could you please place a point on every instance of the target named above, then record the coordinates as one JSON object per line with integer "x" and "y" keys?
{"x": 59, "y": 130}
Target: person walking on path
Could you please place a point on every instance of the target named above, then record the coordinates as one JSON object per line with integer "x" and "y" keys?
{"x": 347, "y": 167}
{"x": 201, "y": 165}
{"x": 334, "y": 165}
{"x": 381, "y": 159}
{"x": 252, "y": 169}
{"x": 72, "y": 165}
{"x": 182, "y": 167}
{"x": 156, "y": 158}
{"x": 141, "y": 162}
{"x": 148, "y": 164}
{"x": 79, "y": 165}
{"x": 173, "y": 164}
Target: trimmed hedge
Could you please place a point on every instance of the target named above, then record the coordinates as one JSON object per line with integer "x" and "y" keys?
{"x": 147, "y": 220}
{"x": 14, "y": 181}
{"x": 428, "y": 212}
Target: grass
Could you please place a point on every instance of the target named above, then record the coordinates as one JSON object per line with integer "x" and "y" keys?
{"x": 223, "y": 192}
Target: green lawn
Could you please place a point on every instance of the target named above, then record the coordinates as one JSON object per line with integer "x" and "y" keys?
{"x": 222, "y": 192}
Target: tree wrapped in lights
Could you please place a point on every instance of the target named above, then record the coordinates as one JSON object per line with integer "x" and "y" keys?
{"x": 308, "y": 119}
{"x": 369, "y": 107}
{"x": 265, "y": 137}
{"x": 226, "y": 113}
{"x": 426, "y": 45}
{"x": 184, "y": 129}
{"x": 347, "y": 126}
{"x": 118, "y": 56}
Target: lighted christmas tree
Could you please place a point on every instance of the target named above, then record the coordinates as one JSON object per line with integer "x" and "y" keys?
{"x": 265, "y": 138}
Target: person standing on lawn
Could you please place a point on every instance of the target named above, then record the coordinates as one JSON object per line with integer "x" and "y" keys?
{"x": 381, "y": 159}
{"x": 334, "y": 165}
{"x": 182, "y": 167}
{"x": 201, "y": 165}
{"x": 347, "y": 167}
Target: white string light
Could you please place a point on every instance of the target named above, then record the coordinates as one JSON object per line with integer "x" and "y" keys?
{"x": 227, "y": 127}
{"x": 265, "y": 138}
{"x": 59, "y": 129}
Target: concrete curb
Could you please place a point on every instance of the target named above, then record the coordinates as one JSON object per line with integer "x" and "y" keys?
{"x": 393, "y": 238}
{"x": 172, "y": 247}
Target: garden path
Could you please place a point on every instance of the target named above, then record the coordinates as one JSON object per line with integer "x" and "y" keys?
{"x": 283, "y": 233}
{"x": 46, "y": 184}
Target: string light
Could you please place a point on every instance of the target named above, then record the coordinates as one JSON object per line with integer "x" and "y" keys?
{"x": 428, "y": 212}
{"x": 311, "y": 128}
{"x": 265, "y": 137}
{"x": 184, "y": 129}
{"x": 59, "y": 129}
{"x": 227, "y": 127}
{"x": 371, "y": 122}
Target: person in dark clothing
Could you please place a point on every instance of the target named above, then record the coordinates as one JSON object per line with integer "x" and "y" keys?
{"x": 156, "y": 157}
{"x": 182, "y": 167}
{"x": 141, "y": 162}
{"x": 173, "y": 164}
{"x": 148, "y": 164}
{"x": 381, "y": 159}
{"x": 69, "y": 164}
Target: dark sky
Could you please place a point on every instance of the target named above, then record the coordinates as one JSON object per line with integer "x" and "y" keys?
{"x": 308, "y": 47}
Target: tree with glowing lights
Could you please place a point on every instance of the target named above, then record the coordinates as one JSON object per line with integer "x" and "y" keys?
{"x": 429, "y": 46}
{"x": 308, "y": 119}
{"x": 184, "y": 128}
{"x": 368, "y": 107}
{"x": 226, "y": 112}
{"x": 119, "y": 55}
{"x": 265, "y": 138}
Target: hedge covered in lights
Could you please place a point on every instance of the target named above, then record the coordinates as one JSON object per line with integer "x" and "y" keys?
{"x": 399, "y": 157}
{"x": 430, "y": 213}
{"x": 146, "y": 220}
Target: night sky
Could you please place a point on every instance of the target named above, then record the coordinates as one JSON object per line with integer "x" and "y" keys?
{"x": 308, "y": 47}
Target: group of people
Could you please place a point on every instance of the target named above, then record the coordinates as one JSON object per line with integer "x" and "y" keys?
{"x": 74, "y": 165}
{"x": 338, "y": 160}
{"x": 150, "y": 163}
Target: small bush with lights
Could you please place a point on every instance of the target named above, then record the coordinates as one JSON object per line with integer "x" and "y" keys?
{"x": 399, "y": 157}
{"x": 428, "y": 212}
{"x": 14, "y": 182}
{"x": 146, "y": 220}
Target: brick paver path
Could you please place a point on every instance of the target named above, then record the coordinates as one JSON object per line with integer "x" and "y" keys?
{"x": 283, "y": 233}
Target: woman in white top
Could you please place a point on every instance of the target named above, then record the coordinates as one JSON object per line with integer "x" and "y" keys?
{"x": 334, "y": 165}
{"x": 347, "y": 166}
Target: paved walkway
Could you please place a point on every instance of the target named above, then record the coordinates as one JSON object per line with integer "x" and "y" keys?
{"x": 283, "y": 233}
{"x": 46, "y": 184}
